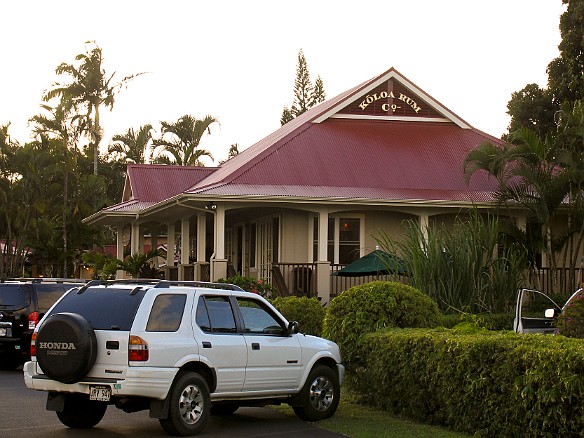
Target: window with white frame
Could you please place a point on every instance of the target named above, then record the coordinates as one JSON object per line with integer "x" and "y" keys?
{"x": 343, "y": 240}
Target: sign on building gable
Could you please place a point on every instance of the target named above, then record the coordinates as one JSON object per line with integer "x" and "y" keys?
{"x": 390, "y": 98}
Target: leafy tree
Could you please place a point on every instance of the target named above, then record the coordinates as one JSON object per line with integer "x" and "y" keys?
{"x": 528, "y": 176}
{"x": 566, "y": 72}
{"x": 133, "y": 147}
{"x": 62, "y": 127}
{"x": 534, "y": 107}
{"x": 181, "y": 140}
{"x": 88, "y": 90}
{"x": 306, "y": 95}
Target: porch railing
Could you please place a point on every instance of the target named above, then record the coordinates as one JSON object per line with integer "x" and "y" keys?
{"x": 298, "y": 279}
{"x": 340, "y": 284}
{"x": 563, "y": 281}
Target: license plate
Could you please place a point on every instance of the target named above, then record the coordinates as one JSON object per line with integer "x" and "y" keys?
{"x": 100, "y": 393}
{"x": 2, "y": 331}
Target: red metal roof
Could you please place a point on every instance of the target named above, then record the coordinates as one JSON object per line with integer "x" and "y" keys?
{"x": 331, "y": 152}
{"x": 372, "y": 158}
{"x": 156, "y": 183}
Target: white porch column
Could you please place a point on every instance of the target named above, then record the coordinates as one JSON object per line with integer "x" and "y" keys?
{"x": 201, "y": 236}
{"x": 323, "y": 266}
{"x": 170, "y": 245}
{"x": 120, "y": 249}
{"x": 201, "y": 244}
{"x": 154, "y": 243}
{"x": 219, "y": 265}
{"x": 135, "y": 239}
{"x": 185, "y": 246}
{"x": 424, "y": 219}
{"x": 323, "y": 235}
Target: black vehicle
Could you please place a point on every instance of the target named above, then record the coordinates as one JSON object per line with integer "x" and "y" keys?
{"x": 23, "y": 302}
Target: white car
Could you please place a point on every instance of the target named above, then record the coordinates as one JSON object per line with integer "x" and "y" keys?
{"x": 536, "y": 312}
{"x": 183, "y": 350}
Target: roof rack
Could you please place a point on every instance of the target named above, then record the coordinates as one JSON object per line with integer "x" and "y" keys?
{"x": 43, "y": 279}
{"x": 162, "y": 283}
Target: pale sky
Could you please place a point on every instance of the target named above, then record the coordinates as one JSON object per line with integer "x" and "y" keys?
{"x": 236, "y": 60}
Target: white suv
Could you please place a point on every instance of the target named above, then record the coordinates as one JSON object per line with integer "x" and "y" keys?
{"x": 183, "y": 350}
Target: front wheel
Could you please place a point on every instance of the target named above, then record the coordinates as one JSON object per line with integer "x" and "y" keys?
{"x": 80, "y": 412}
{"x": 190, "y": 405}
{"x": 320, "y": 396}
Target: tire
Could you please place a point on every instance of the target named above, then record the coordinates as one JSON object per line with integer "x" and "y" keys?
{"x": 80, "y": 412}
{"x": 189, "y": 407}
{"x": 224, "y": 408}
{"x": 66, "y": 347}
{"x": 320, "y": 395}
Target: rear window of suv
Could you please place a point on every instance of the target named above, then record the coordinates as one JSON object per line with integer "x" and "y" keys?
{"x": 14, "y": 296}
{"x": 105, "y": 308}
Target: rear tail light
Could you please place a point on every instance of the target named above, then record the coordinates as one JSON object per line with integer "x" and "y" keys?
{"x": 33, "y": 344}
{"x": 137, "y": 349}
{"x": 33, "y": 320}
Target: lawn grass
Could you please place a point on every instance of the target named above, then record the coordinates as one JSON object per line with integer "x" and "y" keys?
{"x": 357, "y": 421}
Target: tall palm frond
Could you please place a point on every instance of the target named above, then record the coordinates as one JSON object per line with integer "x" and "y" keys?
{"x": 182, "y": 138}
{"x": 133, "y": 146}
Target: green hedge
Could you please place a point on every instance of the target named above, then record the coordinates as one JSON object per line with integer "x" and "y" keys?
{"x": 374, "y": 306}
{"x": 490, "y": 321}
{"x": 485, "y": 383}
{"x": 308, "y": 312}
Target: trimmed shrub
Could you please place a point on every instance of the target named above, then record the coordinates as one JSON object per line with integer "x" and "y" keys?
{"x": 374, "y": 306}
{"x": 490, "y": 321}
{"x": 571, "y": 320}
{"x": 308, "y": 312}
{"x": 492, "y": 384}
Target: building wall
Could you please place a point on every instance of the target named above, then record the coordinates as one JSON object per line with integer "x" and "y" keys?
{"x": 377, "y": 222}
{"x": 294, "y": 236}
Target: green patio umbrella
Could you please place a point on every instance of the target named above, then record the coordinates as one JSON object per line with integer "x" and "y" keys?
{"x": 377, "y": 262}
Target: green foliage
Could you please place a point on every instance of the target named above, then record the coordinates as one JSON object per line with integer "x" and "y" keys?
{"x": 490, "y": 321}
{"x": 308, "y": 312}
{"x": 306, "y": 95}
{"x": 374, "y": 306}
{"x": 181, "y": 141}
{"x": 571, "y": 320}
{"x": 463, "y": 268}
{"x": 254, "y": 285}
{"x": 492, "y": 384}
{"x": 104, "y": 265}
{"x": 138, "y": 265}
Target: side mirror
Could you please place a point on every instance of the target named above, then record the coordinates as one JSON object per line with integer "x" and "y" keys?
{"x": 550, "y": 313}
{"x": 292, "y": 327}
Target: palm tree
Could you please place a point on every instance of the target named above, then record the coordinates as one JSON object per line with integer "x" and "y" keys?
{"x": 90, "y": 88}
{"x": 529, "y": 176}
{"x": 182, "y": 138}
{"x": 62, "y": 127}
{"x": 134, "y": 147}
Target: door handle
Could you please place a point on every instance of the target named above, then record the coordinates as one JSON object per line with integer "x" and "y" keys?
{"x": 255, "y": 346}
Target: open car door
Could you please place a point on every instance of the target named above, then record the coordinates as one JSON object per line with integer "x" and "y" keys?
{"x": 535, "y": 312}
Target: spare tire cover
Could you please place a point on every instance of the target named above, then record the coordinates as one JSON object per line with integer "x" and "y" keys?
{"x": 66, "y": 347}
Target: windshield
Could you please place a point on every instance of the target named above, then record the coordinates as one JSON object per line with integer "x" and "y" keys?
{"x": 14, "y": 296}
{"x": 105, "y": 308}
